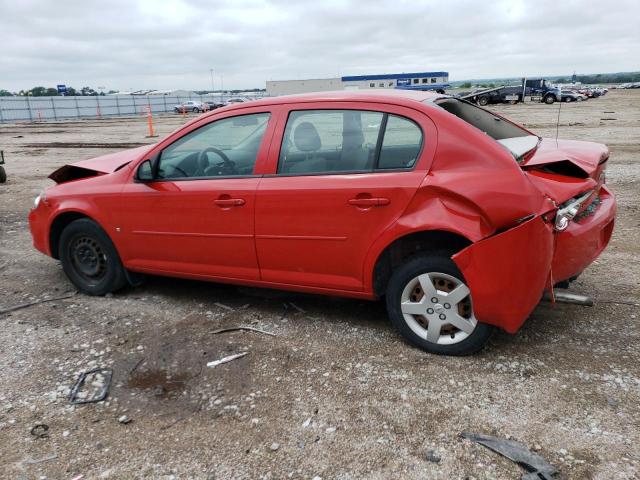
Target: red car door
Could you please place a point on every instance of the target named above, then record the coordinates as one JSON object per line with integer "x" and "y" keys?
{"x": 197, "y": 218}
{"x": 337, "y": 182}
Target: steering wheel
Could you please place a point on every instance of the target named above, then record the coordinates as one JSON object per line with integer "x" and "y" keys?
{"x": 227, "y": 167}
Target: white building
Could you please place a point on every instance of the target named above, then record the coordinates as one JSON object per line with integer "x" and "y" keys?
{"x": 407, "y": 81}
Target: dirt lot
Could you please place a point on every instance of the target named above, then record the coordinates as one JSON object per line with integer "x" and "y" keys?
{"x": 336, "y": 394}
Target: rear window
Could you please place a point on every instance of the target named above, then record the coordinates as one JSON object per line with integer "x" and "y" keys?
{"x": 513, "y": 138}
{"x": 491, "y": 124}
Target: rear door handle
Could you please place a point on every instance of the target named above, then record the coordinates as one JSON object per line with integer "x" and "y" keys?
{"x": 229, "y": 202}
{"x": 369, "y": 202}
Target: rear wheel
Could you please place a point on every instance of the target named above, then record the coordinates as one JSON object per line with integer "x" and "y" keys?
{"x": 483, "y": 101}
{"x": 3, "y": 175}
{"x": 568, "y": 99}
{"x": 195, "y": 110}
{"x": 430, "y": 304}
{"x": 90, "y": 259}
{"x": 549, "y": 99}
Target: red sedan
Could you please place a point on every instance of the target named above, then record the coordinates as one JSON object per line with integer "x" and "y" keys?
{"x": 458, "y": 217}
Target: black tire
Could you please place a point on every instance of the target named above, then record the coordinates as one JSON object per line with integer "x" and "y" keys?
{"x": 568, "y": 99}
{"x": 195, "y": 110}
{"x": 90, "y": 259}
{"x": 177, "y": 110}
{"x": 483, "y": 101}
{"x": 400, "y": 278}
{"x": 549, "y": 99}
{"x": 3, "y": 175}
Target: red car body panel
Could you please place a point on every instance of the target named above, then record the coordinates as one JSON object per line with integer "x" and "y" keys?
{"x": 303, "y": 233}
{"x": 518, "y": 260}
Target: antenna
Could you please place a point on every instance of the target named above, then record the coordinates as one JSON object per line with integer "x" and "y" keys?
{"x": 558, "y": 121}
{"x": 559, "y": 109}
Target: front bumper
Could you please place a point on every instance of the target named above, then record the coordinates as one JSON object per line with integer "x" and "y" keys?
{"x": 39, "y": 226}
{"x": 508, "y": 272}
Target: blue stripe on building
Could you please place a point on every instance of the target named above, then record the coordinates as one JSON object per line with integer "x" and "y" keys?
{"x": 393, "y": 76}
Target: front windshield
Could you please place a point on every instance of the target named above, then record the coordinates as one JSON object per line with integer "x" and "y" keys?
{"x": 501, "y": 130}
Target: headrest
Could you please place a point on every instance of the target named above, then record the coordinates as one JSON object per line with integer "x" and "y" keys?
{"x": 306, "y": 137}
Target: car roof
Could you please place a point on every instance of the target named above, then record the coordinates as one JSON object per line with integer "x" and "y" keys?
{"x": 400, "y": 97}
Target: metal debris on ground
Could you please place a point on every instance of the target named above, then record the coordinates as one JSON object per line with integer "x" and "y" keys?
{"x": 242, "y": 327}
{"x": 230, "y": 358}
{"x": 41, "y": 430}
{"x": 101, "y": 393}
{"x": 536, "y": 466}
{"x": 301, "y": 310}
{"x": 37, "y": 302}
{"x": 35, "y": 461}
{"x": 222, "y": 305}
{"x": 433, "y": 457}
{"x": 566, "y": 297}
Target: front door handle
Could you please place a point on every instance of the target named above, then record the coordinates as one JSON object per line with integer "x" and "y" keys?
{"x": 369, "y": 202}
{"x": 229, "y": 202}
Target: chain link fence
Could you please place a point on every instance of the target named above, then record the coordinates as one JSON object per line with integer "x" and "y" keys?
{"x": 36, "y": 109}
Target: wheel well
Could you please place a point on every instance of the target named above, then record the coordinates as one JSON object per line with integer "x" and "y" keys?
{"x": 446, "y": 243}
{"x": 57, "y": 226}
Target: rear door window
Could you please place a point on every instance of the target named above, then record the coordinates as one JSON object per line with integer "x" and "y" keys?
{"x": 329, "y": 141}
{"x": 401, "y": 144}
{"x": 341, "y": 141}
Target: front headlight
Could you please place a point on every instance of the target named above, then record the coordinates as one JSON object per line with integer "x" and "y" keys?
{"x": 568, "y": 210}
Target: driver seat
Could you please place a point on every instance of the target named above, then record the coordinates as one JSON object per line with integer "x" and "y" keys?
{"x": 307, "y": 140}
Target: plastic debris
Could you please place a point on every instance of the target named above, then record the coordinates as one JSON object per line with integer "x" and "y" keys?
{"x": 124, "y": 419}
{"x": 41, "y": 430}
{"x": 536, "y": 466}
{"x": 101, "y": 393}
{"x": 230, "y": 358}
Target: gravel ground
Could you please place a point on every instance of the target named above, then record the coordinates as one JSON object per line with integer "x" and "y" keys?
{"x": 336, "y": 394}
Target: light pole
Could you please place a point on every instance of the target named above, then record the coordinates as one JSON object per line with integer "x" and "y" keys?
{"x": 212, "y": 88}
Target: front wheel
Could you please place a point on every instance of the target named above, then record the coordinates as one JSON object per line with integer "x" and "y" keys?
{"x": 90, "y": 259}
{"x": 483, "y": 101}
{"x": 430, "y": 305}
{"x": 3, "y": 175}
{"x": 549, "y": 99}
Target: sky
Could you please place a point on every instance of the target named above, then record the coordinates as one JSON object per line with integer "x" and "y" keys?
{"x": 174, "y": 44}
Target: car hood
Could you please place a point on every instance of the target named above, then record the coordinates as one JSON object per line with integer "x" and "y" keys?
{"x": 563, "y": 169}
{"x": 99, "y": 165}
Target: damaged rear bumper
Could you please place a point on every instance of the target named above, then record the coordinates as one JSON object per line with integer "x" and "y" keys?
{"x": 507, "y": 273}
{"x": 585, "y": 239}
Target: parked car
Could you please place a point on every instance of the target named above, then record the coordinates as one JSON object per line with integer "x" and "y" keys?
{"x": 211, "y": 105}
{"x": 190, "y": 106}
{"x": 235, "y": 100}
{"x": 456, "y": 216}
{"x": 486, "y": 96}
{"x": 571, "y": 96}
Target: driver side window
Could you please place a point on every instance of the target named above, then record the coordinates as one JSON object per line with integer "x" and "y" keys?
{"x": 224, "y": 148}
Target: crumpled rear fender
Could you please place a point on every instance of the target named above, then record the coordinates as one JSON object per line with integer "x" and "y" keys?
{"x": 507, "y": 273}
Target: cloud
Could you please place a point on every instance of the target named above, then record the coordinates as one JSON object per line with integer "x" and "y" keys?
{"x": 174, "y": 43}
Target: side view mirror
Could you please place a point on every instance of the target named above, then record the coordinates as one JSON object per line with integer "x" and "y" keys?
{"x": 145, "y": 172}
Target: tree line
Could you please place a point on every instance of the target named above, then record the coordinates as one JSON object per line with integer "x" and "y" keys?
{"x": 53, "y": 92}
